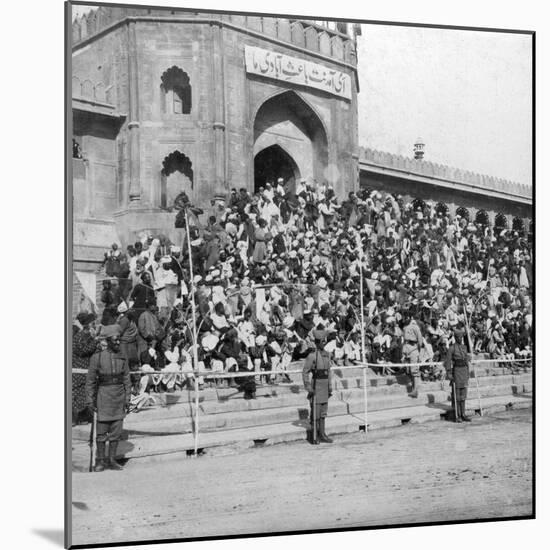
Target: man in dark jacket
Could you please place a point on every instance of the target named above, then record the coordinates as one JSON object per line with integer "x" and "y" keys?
{"x": 108, "y": 392}
{"x": 149, "y": 327}
{"x": 84, "y": 346}
{"x": 143, "y": 293}
{"x": 457, "y": 365}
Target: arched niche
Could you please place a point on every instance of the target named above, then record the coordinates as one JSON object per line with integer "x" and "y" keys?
{"x": 176, "y": 176}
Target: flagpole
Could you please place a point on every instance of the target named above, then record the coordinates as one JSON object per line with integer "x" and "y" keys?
{"x": 363, "y": 351}
{"x": 195, "y": 343}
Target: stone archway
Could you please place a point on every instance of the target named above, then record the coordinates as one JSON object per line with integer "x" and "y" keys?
{"x": 501, "y": 222}
{"x": 176, "y": 176}
{"x": 441, "y": 209}
{"x": 292, "y": 134}
{"x": 518, "y": 225}
{"x": 482, "y": 217}
{"x": 272, "y": 163}
{"x": 463, "y": 213}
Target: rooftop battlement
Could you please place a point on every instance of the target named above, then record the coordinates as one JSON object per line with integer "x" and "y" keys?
{"x": 328, "y": 38}
{"x": 441, "y": 171}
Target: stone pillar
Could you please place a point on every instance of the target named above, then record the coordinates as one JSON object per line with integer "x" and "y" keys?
{"x": 218, "y": 125}
{"x": 133, "y": 122}
{"x": 88, "y": 178}
{"x": 492, "y": 215}
{"x": 356, "y": 183}
{"x": 452, "y": 209}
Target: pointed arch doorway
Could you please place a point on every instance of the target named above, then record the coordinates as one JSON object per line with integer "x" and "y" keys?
{"x": 272, "y": 163}
{"x": 290, "y": 141}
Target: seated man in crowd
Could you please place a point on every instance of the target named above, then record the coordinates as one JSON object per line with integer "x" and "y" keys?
{"x": 272, "y": 266}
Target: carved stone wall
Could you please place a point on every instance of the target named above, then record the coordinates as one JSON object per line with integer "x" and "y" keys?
{"x": 303, "y": 33}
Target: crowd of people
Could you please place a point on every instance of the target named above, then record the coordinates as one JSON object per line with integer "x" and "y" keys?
{"x": 269, "y": 267}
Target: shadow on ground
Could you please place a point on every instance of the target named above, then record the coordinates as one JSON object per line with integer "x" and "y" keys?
{"x": 53, "y": 535}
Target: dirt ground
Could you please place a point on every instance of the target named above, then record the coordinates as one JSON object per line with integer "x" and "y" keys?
{"x": 438, "y": 471}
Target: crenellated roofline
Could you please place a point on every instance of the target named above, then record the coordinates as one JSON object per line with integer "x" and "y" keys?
{"x": 423, "y": 168}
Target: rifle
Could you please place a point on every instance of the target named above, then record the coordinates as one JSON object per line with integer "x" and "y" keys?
{"x": 314, "y": 411}
{"x": 455, "y": 403}
{"x": 472, "y": 351}
{"x": 93, "y": 430}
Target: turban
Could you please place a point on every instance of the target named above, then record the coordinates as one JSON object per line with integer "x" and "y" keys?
{"x": 209, "y": 341}
{"x": 288, "y": 321}
{"x": 110, "y": 331}
{"x": 319, "y": 335}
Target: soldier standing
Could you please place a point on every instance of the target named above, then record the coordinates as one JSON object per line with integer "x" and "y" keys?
{"x": 108, "y": 392}
{"x": 412, "y": 344}
{"x": 318, "y": 383}
{"x": 457, "y": 365}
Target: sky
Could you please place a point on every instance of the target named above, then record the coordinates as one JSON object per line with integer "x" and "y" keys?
{"x": 467, "y": 94}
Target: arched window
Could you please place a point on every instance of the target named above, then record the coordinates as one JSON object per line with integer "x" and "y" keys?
{"x": 501, "y": 222}
{"x": 77, "y": 149}
{"x": 441, "y": 209}
{"x": 419, "y": 203}
{"x": 364, "y": 193}
{"x": 463, "y": 213}
{"x": 175, "y": 92}
{"x": 482, "y": 217}
{"x": 518, "y": 225}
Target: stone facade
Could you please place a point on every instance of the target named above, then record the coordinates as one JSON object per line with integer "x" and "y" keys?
{"x": 468, "y": 193}
{"x": 162, "y": 101}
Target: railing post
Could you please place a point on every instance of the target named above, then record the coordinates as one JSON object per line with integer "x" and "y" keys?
{"x": 365, "y": 393}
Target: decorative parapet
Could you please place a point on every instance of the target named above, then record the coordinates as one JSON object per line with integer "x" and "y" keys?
{"x": 96, "y": 91}
{"x": 441, "y": 171}
{"x": 324, "y": 38}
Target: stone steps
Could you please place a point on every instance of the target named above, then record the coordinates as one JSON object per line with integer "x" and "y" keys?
{"x": 174, "y": 446}
{"x": 375, "y": 384}
{"x": 280, "y": 413}
{"x": 235, "y": 413}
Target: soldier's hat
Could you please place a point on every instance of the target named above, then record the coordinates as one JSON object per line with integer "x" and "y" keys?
{"x": 85, "y": 318}
{"x": 319, "y": 335}
{"x": 110, "y": 331}
{"x": 459, "y": 334}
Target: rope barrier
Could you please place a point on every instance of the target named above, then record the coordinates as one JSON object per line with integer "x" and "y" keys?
{"x": 242, "y": 374}
{"x": 237, "y": 374}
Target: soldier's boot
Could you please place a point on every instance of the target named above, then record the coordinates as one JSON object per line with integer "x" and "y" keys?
{"x": 456, "y": 414}
{"x": 113, "y": 464}
{"x": 463, "y": 411}
{"x": 322, "y": 434}
{"x": 100, "y": 457}
{"x": 315, "y": 433}
{"x": 415, "y": 384}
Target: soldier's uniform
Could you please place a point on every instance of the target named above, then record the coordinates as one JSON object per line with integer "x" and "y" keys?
{"x": 317, "y": 379}
{"x": 412, "y": 342}
{"x": 457, "y": 366}
{"x": 108, "y": 389}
